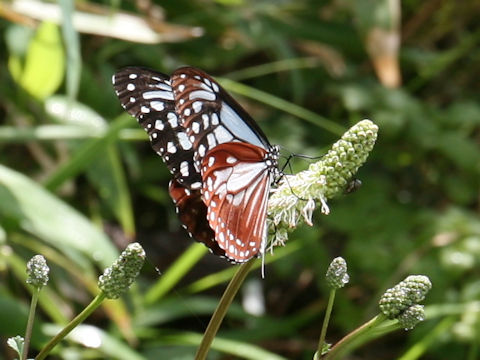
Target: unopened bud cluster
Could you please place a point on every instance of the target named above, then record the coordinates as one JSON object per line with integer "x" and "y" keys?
{"x": 337, "y": 275}
{"x": 298, "y": 195}
{"x": 117, "y": 278}
{"x": 411, "y": 317}
{"x": 401, "y": 301}
{"x": 37, "y": 271}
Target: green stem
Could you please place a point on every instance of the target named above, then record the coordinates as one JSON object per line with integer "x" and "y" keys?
{"x": 345, "y": 344}
{"x": 326, "y": 320}
{"x": 221, "y": 309}
{"x": 31, "y": 318}
{"x": 71, "y": 325}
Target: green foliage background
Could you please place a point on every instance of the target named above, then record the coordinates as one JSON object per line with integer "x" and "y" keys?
{"x": 78, "y": 180}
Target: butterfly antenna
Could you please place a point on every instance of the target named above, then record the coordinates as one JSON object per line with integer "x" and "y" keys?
{"x": 293, "y": 192}
{"x": 287, "y": 163}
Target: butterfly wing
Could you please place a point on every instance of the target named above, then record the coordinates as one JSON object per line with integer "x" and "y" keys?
{"x": 236, "y": 185}
{"x": 208, "y": 142}
{"x": 210, "y": 115}
{"x": 192, "y": 212}
{"x": 148, "y": 96}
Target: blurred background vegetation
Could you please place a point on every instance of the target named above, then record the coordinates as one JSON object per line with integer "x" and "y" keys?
{"x": 78, "y": 179}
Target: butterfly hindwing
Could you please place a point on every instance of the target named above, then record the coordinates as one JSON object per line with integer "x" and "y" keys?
{"x": 192, "y": 212}
{"x": 236, "y": 185}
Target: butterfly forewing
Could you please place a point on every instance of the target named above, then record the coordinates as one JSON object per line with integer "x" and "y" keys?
{"x": 236, "y": 185}
{"x": 149, "y": 97}
{"x": 210, "y": 115}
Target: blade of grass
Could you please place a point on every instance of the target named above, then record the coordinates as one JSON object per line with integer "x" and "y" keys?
{"x": 220, "y": 277}
{"x": 108, "y": 176}
{"x": 273, "y": 67}
{"x": 236, "y": 348}
{"x": 13, "y": 134}
{"x": 87, "y": 153}
{"x": 175, "y": 272}
{"x": 283, "y": 105}
{"x": 72, "y": 44}
{"x": 40, "y": 213}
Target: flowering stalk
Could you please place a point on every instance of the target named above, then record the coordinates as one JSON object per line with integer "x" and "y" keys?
{"x": 294, "y": 200}
{"x": 337, "y": 277}
{"x": 400, "y": 303}
{"x": 222, "y": 308}
{"x": 94, "y": 304}
{"x": 115, "y": 280}
{"x": 37, "y": 276}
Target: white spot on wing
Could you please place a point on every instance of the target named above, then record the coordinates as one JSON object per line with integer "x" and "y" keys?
{"x": 130, "y": 87}
{"x": 166, "y": 95}
{"x": 184, "y": 168}
{"x": 196, "y": 185}
{"x": 157, "y": 105}
{"x": 172, "y": 120}
{"x": 211, "y": 140}
{"x": 215, "y": 120}
{"x": 183, "y": 140}
{"x": 197, "y": 106}
{"x": 201, "y": 150}
{"x": 195, "y": 127}
{"x": 231, "y": 160}
{"x": 159, "y": 125}
{"x": 206, "y": 121}
{"x": 202, "y": 94}
{"x": 171, "y": 147}
{"x": 222, "y": 135}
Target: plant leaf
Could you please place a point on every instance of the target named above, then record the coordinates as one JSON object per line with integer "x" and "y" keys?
{"x": 45, "y": 216}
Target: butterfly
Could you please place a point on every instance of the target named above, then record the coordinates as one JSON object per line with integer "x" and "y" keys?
{"x": 221, "y": 162}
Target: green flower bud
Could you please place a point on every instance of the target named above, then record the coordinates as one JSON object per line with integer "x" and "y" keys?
{"x": 417, "y": 286}
{"x": 337, "y": 275}
{"x": 118, "y": 278}
{"x": 37, "y": 271}
{"x": 407, "y": 293}
{"x": 411, "y": 317}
